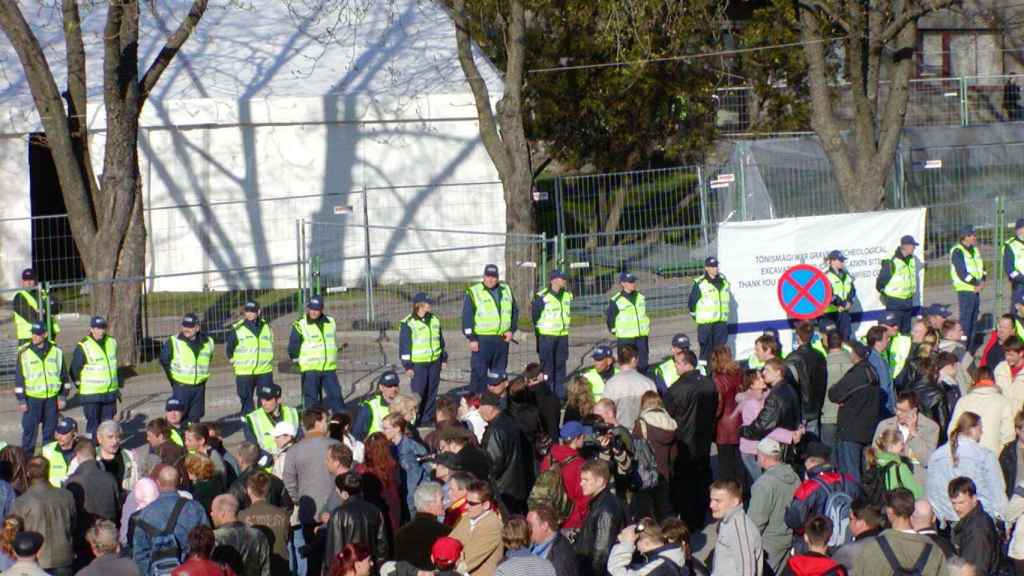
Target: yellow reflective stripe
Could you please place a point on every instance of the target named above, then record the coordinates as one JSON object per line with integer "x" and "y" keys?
{"x": 903, "y": 283}
{"x": 556, "y": 315}
{"x": 186, "y": 367}
{"x": 99, "y": 375}
{"x": 632, "y": 320}
{"x": 254, "y": 353}
{"x": 713, "y": 305}
{"x": 319, "y": 350}
{"x": 42, "y": 376}
{"x": 426, "y": 339}
{"x": 972, "y": 261}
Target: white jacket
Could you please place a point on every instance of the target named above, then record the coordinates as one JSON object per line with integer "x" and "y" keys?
{"x": 1011, "y": 386}
{"x": 1015, "y": 514}
{"x": 996, "y": 416}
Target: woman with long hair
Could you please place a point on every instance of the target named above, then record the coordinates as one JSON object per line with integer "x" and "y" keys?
{"x": 659, "y": 429}
{"x": 381, "y": 480}
{"x": 780, "y": 414}
{"x": 205, "y": 484}
{"x": 12, "y": 525}
{"x": 353, "y": 560}
{"x": 678, "y": 533}
{"x": 884, "y": 461}
{"x": 339, "y": 427}
{"x": 964, "y": 455}
{"x": 579, "y": 400}
{"x": 727, "y": 376}
{"x": 14, "y": 457}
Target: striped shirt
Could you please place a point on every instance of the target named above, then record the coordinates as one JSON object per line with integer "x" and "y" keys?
{"x": 738, "y": 550}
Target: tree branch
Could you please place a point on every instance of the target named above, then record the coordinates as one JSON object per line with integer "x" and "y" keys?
{"x": 912, "y": 14}
{"x": 170, "y": 50}
{"x": 77, "y": 94}
{"x": 829, "y": 13}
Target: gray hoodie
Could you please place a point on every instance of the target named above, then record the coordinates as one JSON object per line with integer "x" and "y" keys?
{"x": 770, "y": 496}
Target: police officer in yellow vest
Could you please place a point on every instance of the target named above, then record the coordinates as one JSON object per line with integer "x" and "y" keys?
{"x": 29, "y": 306}
{"x": 94, "y": 368}
{"x": 249, "y": 346}
{"x": 709, "y": 304}
{"x": 61, "y": 452}
{"x": 551, "y": 311}
{"x": 259, "y": 423}
{"x": 1013, "y": 261}
{"x": 844, "y": 292}
{"x": 897, "y": 354}
{"x": 601, "y": 372}
{"x": 423, "y": 353}
{"x": 373, "y": 409}
{"x": 490, "y": 316}
{"x": 40, "y": 386}
{"x": 967, "y": 271}
{"x": 627, "y": 318}
{"x": 186, "y": 360}
{"x": 897, "y": 282}
{"x": 665, "y": 374}
{"x": 174, "y": 413}
{"x": 313, "y": 344}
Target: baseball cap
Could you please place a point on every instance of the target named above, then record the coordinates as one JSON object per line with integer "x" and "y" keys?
{"x": 66, "y": 425}
{"x": 39, "y": 328}
{"x": 98, "y": 322}
{"x": 681, "y": 341}
{"x": 937, "y": 310}
{"x": 889, "y": 319}
{"x": 388, "y": 379}
{"x": 490, "y": 399}
{"x": 315, "y": 303}
{"x": 601, "y": 352}
{"x": 268, "y": 391}
{"x": 769, "y": 446}
{"x": 445, "y": 552}
{"x": 491, "y": 270}
{"x": 627, "y": 277}
{"x": 449, "y": 461}
{"x": 28, "y": 274}
{"x": 908, "y": 240}
{"x": 573, "y": 429}
{"x": 421, "y": 297}
{"x": 27, "y": 544}
{"x": 967, "y": 230}
{"x": 252, "y": 306}
{"x": 174, "y": 405}
{"x": 189, "y": 320}
{"x": 836, "y": 255}
{"x": 815, "y": 450}
{"x": 826, "y": 325}
{"x": 1019, "y": 224}
{"x": 495, "y": 377}
{"x": 711, "y": 262}
{"x": 283, "y": 428}
{"x": 558, "y": 274}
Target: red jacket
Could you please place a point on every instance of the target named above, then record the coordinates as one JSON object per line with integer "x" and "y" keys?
{"x": 196, "y": 566}
{"x": 571, "y": 480}
{"x": 454, "y": 513}
{"x": 813, "y": 564}
{"x": 727, "y": 427}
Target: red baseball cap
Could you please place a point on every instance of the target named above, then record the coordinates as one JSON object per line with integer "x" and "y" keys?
{"x": 445, "y": 552}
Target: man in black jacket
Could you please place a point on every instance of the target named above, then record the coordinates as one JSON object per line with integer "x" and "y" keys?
{"x": 356, "y": 521}
{"x": 248, "y": 455}
{"x": 414, "y": 540}
{"x": 511, "y": 455}
{"x": 692, "y": 402}
{"x": 470, "y": 458}
{"x": 244, "y": 548}
{"x": 975, "y": 536}
{"x": 97, "y": 496}
{"x": 811, "y": 375}
{"x": 859, "y": 398}
{"x": 605, "y": 518}
{"x": 781, "y": 408}
{"x": 547, "y": 542}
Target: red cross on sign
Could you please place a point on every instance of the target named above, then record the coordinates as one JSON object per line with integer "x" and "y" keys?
{"x": 804, "y": 292}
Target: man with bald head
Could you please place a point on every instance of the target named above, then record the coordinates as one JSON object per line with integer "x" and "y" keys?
{"x": 923, "y": 522}
{"x": 168, "y": 508}
{"x": 239, "y": 545}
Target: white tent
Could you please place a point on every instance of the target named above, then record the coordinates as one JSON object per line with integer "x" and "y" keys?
{"x": 277, "y": 110}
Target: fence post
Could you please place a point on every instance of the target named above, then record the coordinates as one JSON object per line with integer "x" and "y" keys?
{"x": 559, "y": 212}
{"x": 369, "y": 262}
{"x": 543, "y": 256}
{"x": 315, "y": 277}
{"x": 46, "y": 310}
{"x": 703, "y": 208}
{"x": 964, "y": 112}
{"x": 1000, "y": 231}
{"x": 300, "y": 259}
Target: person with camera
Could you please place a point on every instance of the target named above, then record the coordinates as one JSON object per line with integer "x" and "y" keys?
{"x": 660, "y": 558}
{"x": 614, "y": 444}
{"x": 468, "y": 457}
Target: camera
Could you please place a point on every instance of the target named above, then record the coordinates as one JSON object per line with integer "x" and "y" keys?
{"x": 428, "y": 457}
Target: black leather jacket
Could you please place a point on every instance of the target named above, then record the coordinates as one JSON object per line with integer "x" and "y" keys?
{"x": 511, "y": 456}
{"x": 813, "y": 379}
{"x": 243, "y": 548}
{"x": 781, "y": 410}
{"x": 936, "y": 400}
{"x": 355, "y": 522}
{"x": 605, "y": 518}
{"x": 692, "y": 402}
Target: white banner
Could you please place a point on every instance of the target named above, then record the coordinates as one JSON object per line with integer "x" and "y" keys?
{"x": 753, "y": 255}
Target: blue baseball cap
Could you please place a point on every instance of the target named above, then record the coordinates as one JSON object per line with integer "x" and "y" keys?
{"x": 601, "y": 352}
{"x": 558, "y": 274}
{"x": 836, "y": 255}
{"x": 315, "y": 303}
{"x": 1019, "y": 224}
{"x": 421, "y": 298}
{"x": 39, "y": 328}
{"x": 627, "y": 277}
{"x": 174, "y": 405}
{"x": 889, "y": 319}
{"x": 268, "y": 391}
{"x": 967, "y": 230}
{"x": 495, "y": 377}
{"x": 827, "y": 325}
{"x": 190, "y": 320}
{"x": 574, "y": 429}
{"x": 937, "y": 310}
{"x": 30, "y": 274}
{"x": 98, "y": 322}
{"x": 66, "y": 425}
{"x": 711, "y": 262}
{"x": 388, "y": 379}
{"x": 491, "y": 270}
{"x": 681, "y": 341}
{"x": 252, "y": 306}
{"x": 908, "y": 240}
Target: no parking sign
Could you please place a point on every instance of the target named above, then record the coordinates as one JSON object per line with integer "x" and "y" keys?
{"x": 804, "y": 292}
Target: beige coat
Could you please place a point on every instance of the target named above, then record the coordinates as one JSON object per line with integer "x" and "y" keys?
{"x": 1012, "y": 387}
{"x": 996, "y": 416}
{"x": 482, "y": 549}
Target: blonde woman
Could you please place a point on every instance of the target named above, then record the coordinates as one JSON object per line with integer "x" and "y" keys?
{"x": 885, "y": 461}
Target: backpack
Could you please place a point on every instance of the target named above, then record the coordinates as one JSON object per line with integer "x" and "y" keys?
{"x": 916, "y": 570}
{"x": 873, "y": 481}
{"x": 165, "y": 551}
{"x": 549, "y": 490}
{"x": 837, "y": 509}
{"x": 645, "y": 475}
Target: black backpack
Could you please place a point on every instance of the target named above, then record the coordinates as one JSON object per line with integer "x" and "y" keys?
{"x": 897, "y": 569}
{"x": 873, "y": 481}
{"x": 165, "y": 550}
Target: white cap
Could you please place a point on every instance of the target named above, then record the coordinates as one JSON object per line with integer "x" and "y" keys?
{"x": 767, "y": 446}
{"x": 283, "y": 429}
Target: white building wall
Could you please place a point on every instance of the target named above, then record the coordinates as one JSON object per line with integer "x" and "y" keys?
{"x": 15, "y": 228}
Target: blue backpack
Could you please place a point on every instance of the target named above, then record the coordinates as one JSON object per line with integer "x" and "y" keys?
{"x": 165, "y": 550}
{"x": 837, "y": 509}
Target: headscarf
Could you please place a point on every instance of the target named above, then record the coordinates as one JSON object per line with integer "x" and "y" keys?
{"x": 144, "y": 493}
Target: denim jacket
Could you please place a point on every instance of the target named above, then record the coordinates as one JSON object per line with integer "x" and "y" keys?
{"x": 976, "y": 463}
{"x": 413, "y": 473}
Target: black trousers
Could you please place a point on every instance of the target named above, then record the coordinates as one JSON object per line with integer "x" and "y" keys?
{"x": 691, "y": 481}
{"x": 730, "y": 467}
